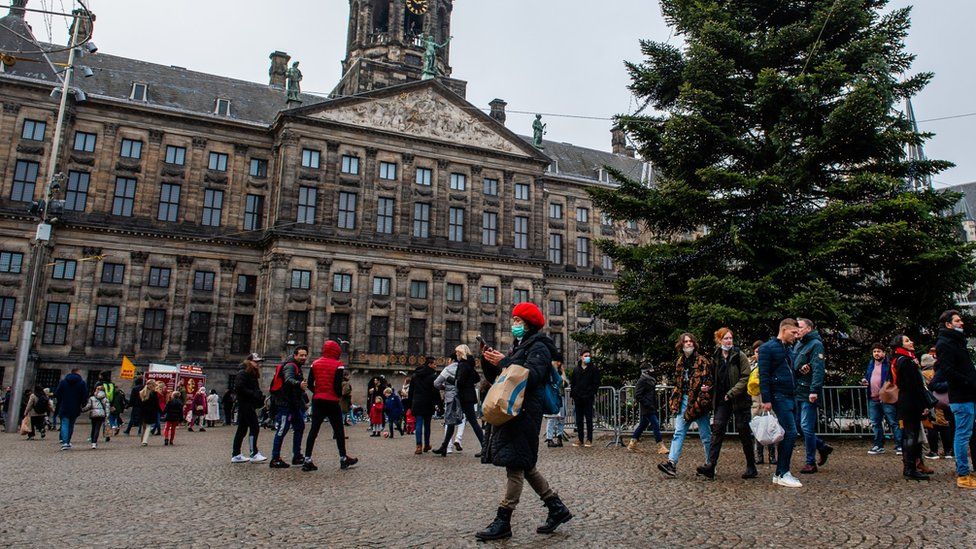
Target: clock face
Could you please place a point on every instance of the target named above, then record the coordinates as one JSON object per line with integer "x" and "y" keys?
{"x": 418, "y": 7}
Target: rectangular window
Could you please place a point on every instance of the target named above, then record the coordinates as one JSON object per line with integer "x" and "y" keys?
{"x": 417, "y": 337}
{"x": 388, "y": 171}
{"x": 169, "y": 202}
{"x": 555, "y": 210}
{"x": 223, "y": 107}
{"x": 240, "y": 335}
{"x": 139, "y": 92}
{"x": 582, "y": 215}
{"x": 424, "y": 176}
{"x": 520, "y": 296}
{"x": 56, "y": 324}
{"x": 555, "y": 307}
{"x": 384, "y": 215}
{"x": 113, "y": 273}
{"x": 455, "y": 292}
{"x": 64, "y": 269}
{"x": 607, "y": 263}
{"x": 259, "y": 168}
{"x": 311, "y": 159}
{"x": 489, "y": 229}
{"x": 488, "y": 295}
{"x": 381, "y": 286}
{"x": 7, "y": 307}
{"x": 76, "y": 195}
{"x": 379, "y": 335}
{"x": 350, "y": 164}
{"x": 582, "y": 252}
{"x": 339, "y": 327}
{"x": 488, "y": 332}
{"x": 452, "y": 335}
{"x": 247, "y": 284}
{"x": 198, "y": 334}
{"x": 106, "y": 325}
{"x": 632, "y": 225}
{"x": 85, "y": 142}
{"x": 459, "y": 182}
{"x": 298, "y": 327}
{"x": 490, "y": 187}
{"x": 521, "y": 233}
{"x": 175, "y": 155}
{"x": 557, "y": 340}
{"x": 11, "y": 262}
{"x": 253, "y": 212}
{"x": 213, "y": 205}
{"x": 418, "y": 289}
{"x": 456, "y": 225}
{"x": 153, "y": 325}
{"x": 605, "y": 219}
{"x": 521, "y": 191}
{"x": 33, "y": 130}
{"x": 131, "y": 148}
{"x": 217, "y": 162}
{"x": 421, "y": 220}
{"x": 306, "y": 205}
{"x": 25, "y": 178}
{"x": 203, "y": 281}
{"x": 556, "y": 248}
{"x": 159, "y": 277}
{"x": 300, "y": 279}
{"x": 347, "y": 210}
{"x": 342, "y": 283}
{"x": 125, "y": 196}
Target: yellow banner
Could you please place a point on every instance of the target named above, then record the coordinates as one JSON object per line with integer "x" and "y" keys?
{"x": 128, "y": 369}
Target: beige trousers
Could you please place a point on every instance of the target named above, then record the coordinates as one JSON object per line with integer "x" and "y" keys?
{"x": 516, "y": 478}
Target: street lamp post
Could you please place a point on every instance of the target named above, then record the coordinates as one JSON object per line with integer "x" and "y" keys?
{"x": 39, "y": 243}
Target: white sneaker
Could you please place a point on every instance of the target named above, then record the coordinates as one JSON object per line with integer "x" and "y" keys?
{"x": 258, "y": 458}
{"x": 789, "y": 481}
{"x": 94, "y": 446}
{"x": 875, "y": 450}
{"x": 239, "y": 458}
{"x": 775, "y": 479}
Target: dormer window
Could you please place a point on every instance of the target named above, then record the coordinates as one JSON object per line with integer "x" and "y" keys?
{"x": 140, "y": 92}
{"x": 553, "y": 167}
{"x": 223, "y": 107}
{"x": 603, "y": 175}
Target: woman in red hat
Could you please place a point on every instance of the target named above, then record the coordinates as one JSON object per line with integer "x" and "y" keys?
{"x": 515, "y": 445}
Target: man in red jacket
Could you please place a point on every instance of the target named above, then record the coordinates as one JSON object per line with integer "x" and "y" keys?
{"x": 325, "y": 382}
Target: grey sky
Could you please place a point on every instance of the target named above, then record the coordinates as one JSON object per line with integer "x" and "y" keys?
{"x": 550, "y": 56}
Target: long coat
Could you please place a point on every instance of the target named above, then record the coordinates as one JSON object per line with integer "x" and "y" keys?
{"x": 423, "y": 395}
{"x": 699, "y": 401}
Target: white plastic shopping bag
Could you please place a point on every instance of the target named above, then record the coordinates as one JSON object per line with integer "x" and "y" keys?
{"x": 767, "y": 429}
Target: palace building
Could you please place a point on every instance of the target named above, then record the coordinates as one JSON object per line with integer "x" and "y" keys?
{"x": 207, "y": 217}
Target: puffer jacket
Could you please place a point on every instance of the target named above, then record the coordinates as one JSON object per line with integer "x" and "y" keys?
{"x": 699, "y": 400}
{"x": 325, "y": 375}
{"x": 97, "y": 407}
{"x": 516, "y": 443}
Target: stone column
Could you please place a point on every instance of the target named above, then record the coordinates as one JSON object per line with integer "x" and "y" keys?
{"x": 437, "y": 308}
{"x": 129, "y": 334}
{"x": 318, "y": 329}
{"x": 439, "y": 202}
{"x": 400, "y": 310}
{"x": 84, "y": 314}
{"x": 277, "y": 306}
{"x": 359, "y": 338}
{"x": 182, "y": 281}
{"x": 224, "y": 313}
{"x": 366, "y": 208}
{"x": 474, "y": 307}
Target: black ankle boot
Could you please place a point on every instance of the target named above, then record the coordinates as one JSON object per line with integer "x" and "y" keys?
{"x": 706, "y": 471}
{"x": 500, "y": 528}
{"x": 558, "y": 514}
{"x": 442, "y": 451}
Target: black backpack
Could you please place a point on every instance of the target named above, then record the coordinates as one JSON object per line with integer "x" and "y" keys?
{"x": 41, "y": 405}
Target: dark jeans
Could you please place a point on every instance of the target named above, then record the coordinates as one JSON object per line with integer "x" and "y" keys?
{"x": 96, "y": 428}
{"x": 322, "y": 409}
{"x": 783, "y": 406}
{"x": 247, "y": 422}
{"x": 584, "y": 410}
{"x": 422, "y": 430}
{"x": 135, "y": 419}
{"x": 806, "y": 421}
{"x": 472, "y": 420}
{"x": 911, "y": 446}
{"x": 285, "y": 418}
{"x": 724, "y": 411}
{"x": 649, "y": 418}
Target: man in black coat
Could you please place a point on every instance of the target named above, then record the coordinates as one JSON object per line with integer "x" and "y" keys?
{"x": 423, "y": 398}
{"x": 956, "y": 365}
{"x": 135, "y": 415}
{"x": 584, "y": 381}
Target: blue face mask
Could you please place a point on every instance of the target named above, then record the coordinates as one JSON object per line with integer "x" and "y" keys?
{"x": 518, "y": 330}
{"x": 586, "y": 360}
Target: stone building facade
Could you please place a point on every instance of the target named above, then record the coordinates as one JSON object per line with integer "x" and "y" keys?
{"x": 207, "y": 217}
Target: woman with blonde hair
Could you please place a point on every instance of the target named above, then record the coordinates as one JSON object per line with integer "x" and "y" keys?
{"x": 149, "y": 398}
{"x": 459, "y": 380}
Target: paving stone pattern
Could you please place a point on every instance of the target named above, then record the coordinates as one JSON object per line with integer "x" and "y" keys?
{"x": 123, "y": 495}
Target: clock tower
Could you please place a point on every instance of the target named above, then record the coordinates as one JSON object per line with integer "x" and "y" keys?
{"x": 385, "y": 44}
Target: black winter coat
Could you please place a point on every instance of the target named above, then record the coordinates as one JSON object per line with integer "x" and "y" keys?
{"x": 291, "y": 394}
{"x": 956, "y": 365}
{"x": 248, "y": 391}
{"x": 584, "y": 382}
{"x": 645, "y": 392}
{"x": 173, "y": 410}
{"x": 467, "y": 379}
{"x": 911, "y": 390}
{"x": 423, "y": 396}
{"x": 516, "y": 443}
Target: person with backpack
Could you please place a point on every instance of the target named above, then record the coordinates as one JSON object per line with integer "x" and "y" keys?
{"x": 72, "y": 393}
{"x": 250, "y": 399}
{"x": 462, "y": 398}
{"x": 325, "y": 381}
{"x": 38, "y": 406}
{"x": 114, "y": 395}
{"x": 287, "y": 395}
{"x": 514, "y": 444}
{"x": 98, "y": 409}
{"x": 645, "y": 393}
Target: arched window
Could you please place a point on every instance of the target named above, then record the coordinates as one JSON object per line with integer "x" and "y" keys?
{"x": 381, "y": 16}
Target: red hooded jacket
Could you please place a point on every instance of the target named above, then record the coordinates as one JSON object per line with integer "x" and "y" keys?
{"x": 325, "y": 377}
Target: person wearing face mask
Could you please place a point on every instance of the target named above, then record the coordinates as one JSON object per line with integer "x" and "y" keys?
{"x": 731, "y": 402}
{"x": 98, "y": 409}
{"x": 956, "y": 365}
{"x": 691, "y": 400}
{"x": 777, "y": 387}
{"x": 466, "y": 377}
{"x": 515, "y": 443}
{"x": 584, "y": 381}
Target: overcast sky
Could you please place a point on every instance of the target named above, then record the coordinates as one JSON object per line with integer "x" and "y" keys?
{"x": 551, "y": 56}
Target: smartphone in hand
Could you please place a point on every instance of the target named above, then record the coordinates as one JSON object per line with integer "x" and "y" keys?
{"x": 481, "y": 342}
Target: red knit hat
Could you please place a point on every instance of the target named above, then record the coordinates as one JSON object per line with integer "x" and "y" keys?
{"x": 530, "y": 314}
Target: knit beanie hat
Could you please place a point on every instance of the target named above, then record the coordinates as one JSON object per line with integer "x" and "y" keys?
{"x": 531, "y": 314}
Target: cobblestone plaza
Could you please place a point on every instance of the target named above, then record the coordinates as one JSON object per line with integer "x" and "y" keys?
{"x": 123, "y": 495}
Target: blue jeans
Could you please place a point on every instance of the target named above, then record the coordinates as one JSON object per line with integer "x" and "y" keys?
{"x": 68, "y": 428}
{"x": 965, "y": 413}
{"x": 806, "y": 418}
{"x": 681, "y": 431}
{"x": 783, "y": 406}
{"x": 879, "y": 411}
{"x": 649, "y": 419}
{"x": 422, "y": 430}
{"x": 554, "y": 427}
{"x": 285, "y": 418}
